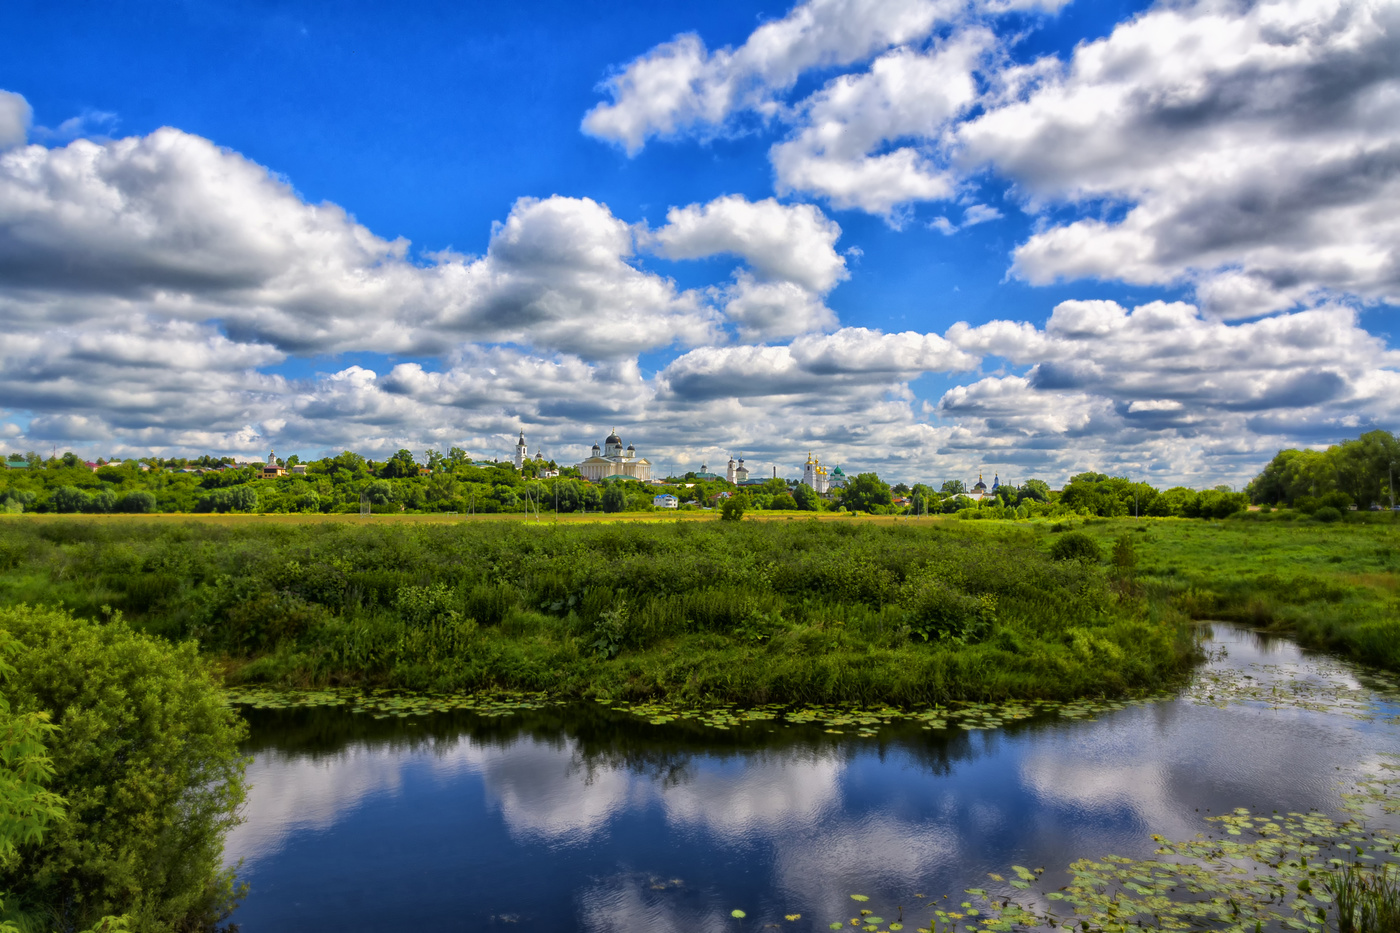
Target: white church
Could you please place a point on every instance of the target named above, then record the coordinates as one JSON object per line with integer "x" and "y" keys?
{"x": 614, "y": 460}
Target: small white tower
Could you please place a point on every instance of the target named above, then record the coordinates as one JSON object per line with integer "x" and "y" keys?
{"x": 729, "y": 471}
{"x": 520, "y": 451}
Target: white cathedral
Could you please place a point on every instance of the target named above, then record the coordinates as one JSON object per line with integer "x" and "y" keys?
{"x": 613, "y": 460}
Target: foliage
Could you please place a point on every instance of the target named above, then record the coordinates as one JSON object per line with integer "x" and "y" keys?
{"x": 1076, "y": 545}
{"x": 400, "y": 465}
{"x": 27, "y": 807}
{"x": 750, "y": 611}
{"x": 614, "y": 497}
{"x": 1330, "y": 586}
{"x": 146, "y": 756}
{"x": 1125, "y": 557}
{"x": 866, "y": 493}
{"x": 732, "y": 510}
{"x": 1361, "y": 470}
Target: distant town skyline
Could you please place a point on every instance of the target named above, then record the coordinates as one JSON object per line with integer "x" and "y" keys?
{"x": 924, "y": 238}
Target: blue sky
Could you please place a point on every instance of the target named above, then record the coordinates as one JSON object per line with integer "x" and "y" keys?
{"x": 924, "y": 237}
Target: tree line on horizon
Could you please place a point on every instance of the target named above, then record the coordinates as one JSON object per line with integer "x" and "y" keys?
{"x": 1354, "y": 473}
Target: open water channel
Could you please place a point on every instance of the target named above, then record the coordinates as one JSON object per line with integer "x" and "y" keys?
{"x": 579, "y": 817}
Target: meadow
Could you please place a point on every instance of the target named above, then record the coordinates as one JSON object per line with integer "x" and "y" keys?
{"x": 792, "y": 608}
{"x": 805, "y": 610}
{"x": 1328, "y": 585}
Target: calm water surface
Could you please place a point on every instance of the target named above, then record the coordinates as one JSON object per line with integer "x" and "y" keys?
{"x": 578, "y": 818}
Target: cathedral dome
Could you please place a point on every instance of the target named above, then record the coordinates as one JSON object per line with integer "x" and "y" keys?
{"x": 613, "y": 439}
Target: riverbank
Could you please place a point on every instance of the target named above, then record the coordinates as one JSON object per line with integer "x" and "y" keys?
{"x": 836, "y": 611}
{"x": 1331, "y": 586}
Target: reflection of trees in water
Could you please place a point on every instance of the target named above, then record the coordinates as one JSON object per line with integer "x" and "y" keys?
{"x": 598, "y": 739}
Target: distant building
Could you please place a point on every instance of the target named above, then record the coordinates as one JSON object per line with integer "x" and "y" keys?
{"x": 521, "y": 451}
{"x": 665, "y": 502}
{"x": 705, "y": 473}
{"x": 815, "y": 475}
{"x": 736, "y": 473}
{"x": 613, "y": 460}
{"x": 980, "y": 490}
{"x": 271, "y": 468}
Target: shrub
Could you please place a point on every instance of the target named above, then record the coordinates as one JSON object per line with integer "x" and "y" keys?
{"x": 1125, "y": 557}
{"x": 1076, "y": 545}
{"x": 146, "y": 755}
{"x": 68, "y": 499}
{"x": 141, "y": 501}
{"x": 733, "y": 508}
{"x": 936, "y": 611}
{"x": 614, "y": 497}
{"x": 1327, "y": 513}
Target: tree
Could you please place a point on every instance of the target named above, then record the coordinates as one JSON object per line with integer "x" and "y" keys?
{"x": 953, "y": 487}
{"x": 567, "y": 497}
{"x": 783, "y": 501}
{"x": 865, "y": 493}
{"x": 400, "y": 465}
{"x": 614, "y": 497}
{"x": 732, "y": 509}
{"x": 1036, "y": 489}
{"x": 148, "y": 761}
{"x": 140, "y": 501}
{"x": 379, "y": 492}
{"x": 458, "y": 457}
{"x": 68, "y": 499}
{"x": 104, "y": 500}
{"x": 27, "y": 807}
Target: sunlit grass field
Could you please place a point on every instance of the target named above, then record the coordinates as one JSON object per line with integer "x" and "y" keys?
{"x": 825, "y": 607}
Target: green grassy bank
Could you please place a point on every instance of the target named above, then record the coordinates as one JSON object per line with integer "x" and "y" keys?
{"x": 801, "y": 611}
{"x": 1334, "y": 586}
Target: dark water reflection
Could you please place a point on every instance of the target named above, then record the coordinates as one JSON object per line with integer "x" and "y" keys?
{"x": 581, "y": 819}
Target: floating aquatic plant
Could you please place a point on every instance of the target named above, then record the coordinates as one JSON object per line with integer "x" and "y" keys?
{"x": 1248, "y": 873}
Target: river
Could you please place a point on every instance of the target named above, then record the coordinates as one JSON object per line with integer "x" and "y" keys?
{"x": 578, "y": 817}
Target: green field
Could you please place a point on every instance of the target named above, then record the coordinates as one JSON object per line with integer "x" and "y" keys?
{"x": 683, "y": 606}
{"x": 803, "y": 611}
{"x": 1329, "y": 585}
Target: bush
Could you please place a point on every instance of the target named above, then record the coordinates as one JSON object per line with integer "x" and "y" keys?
{"x": 146, "y": 755}
{"x": 68, "y": 499}
{"x": 141, "y": 502}
{"x": 1076, "y": 545}
{"x": 732, "y": 510}
{"x": 1327, "y": 514}
{"x": 614, "y": 497}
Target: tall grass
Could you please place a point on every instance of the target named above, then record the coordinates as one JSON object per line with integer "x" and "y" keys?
{"x": 1367, "y": 901}
{"x": 806, "y": 611}
{"x": 1332, "y": 586}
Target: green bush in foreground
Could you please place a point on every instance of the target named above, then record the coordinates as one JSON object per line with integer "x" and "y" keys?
{"x": 145, "y": 754}
{"x": 1076, "y": 545}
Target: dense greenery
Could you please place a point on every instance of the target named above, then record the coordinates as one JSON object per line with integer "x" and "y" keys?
{"x": 454, "y": 484}
{"x": 143, "y": 758}
{"x": 1356, "y": 473}
{"x": 1330, "y": 586}
{"x": 814, "y": 611}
